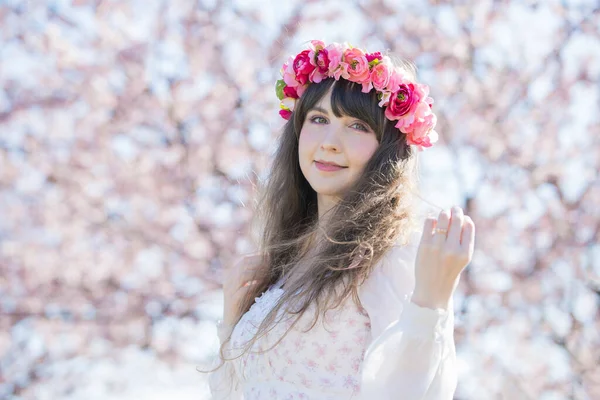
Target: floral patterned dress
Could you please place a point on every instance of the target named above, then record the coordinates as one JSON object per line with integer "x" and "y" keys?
{"x": 323, "y": 364}
{"x": 390, "y": 349}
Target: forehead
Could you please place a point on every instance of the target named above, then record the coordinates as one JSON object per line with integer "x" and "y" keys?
{"x": 325, "y": 101}
{"x": 324, "y": 104}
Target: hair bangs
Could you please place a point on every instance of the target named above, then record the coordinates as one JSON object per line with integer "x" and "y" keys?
{"x": 348, "y": 99}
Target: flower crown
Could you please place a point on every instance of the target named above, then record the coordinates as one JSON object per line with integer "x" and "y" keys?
{"x": 405, "y": 101}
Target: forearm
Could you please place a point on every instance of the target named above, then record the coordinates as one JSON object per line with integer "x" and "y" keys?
{"x": 413, "y": 356}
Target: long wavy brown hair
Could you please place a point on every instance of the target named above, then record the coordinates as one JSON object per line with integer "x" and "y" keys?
{"x": 376, "y": 213}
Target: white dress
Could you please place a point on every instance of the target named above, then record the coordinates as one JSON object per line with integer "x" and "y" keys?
{"x": 393, "y": 349}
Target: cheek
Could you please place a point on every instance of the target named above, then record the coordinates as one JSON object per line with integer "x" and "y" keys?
{"x": 306, "y": 141}
{"x": 304, "y": 148}
{"x": 363, "y": 150}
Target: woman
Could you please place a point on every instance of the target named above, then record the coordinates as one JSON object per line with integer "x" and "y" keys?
{"x": 345, "y": 299}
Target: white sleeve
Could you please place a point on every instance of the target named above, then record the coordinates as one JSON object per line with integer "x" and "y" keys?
{"x": 412, "y": 353}
{"x": 224, "y": 382}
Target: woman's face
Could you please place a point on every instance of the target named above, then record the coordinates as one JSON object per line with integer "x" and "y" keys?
{"x": 346, "y": 141}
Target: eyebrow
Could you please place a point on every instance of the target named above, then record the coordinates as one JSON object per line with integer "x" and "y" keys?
{"x": 317, "y": 108}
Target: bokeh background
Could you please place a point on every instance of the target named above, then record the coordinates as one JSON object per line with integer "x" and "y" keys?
{"x": 132, "y": 134}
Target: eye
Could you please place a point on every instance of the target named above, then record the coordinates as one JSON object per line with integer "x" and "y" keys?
{"x": 362, "y": 126}
{"x": 313, "y": 119}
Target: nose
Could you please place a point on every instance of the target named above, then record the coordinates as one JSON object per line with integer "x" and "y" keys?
{"x": 331, "y": 140}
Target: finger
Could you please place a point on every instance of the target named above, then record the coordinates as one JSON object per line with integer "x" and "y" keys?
{"x": 428, "y": 227}
{"x": 455, "y": 229}
{"x": 439, "y": 238}
{"x": 468, "y": 236}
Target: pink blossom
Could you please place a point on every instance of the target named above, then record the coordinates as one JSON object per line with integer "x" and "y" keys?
{"x": 396, "y": 79}
{"x": 380, "y": 76}
{"x": 320, "y": 59}
{"x": 322, "y": 66}
{"x": 425, "y": 141}
{"x": 420, "y": 130}
{"x": 289, "y": 75}
{"x": 367, "y": 85}
{"x": 385, "y": 98}
{"x": 337, "y": 66}
{"x": 316, "y": 45}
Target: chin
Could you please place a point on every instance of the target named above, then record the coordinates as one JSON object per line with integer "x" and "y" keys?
{"x": 325, "y": 189}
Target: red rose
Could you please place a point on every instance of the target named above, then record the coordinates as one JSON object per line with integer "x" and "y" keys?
{"x": 303, "y": 67}
{"x": 286, "y": 114}
{"x": 401, "y": 101}
{"x": 289, "y": 91}
{"x": 372, "y": 56}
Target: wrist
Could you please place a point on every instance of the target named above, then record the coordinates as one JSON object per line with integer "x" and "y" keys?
{"x": 426, "y": 301}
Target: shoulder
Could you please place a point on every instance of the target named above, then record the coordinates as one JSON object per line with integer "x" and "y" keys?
{"x": 249, "y": 261}
{"x": 243, "y": 269}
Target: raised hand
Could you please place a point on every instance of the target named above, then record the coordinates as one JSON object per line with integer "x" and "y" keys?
{"x": 446, "y": 248}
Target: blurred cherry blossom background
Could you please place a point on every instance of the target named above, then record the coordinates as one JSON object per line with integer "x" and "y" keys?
{"x": 132, "y": 134}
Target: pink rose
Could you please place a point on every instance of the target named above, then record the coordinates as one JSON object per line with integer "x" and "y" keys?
{"x": 358, "y": 66}
{"x": 426, "y": 141}
{"x": 380, "y": 76}
{"x": 402, "y": 101}
{"x": 420, "y": 130}
{"x": 396, "y": 79}
{"x": 303, "y": 67}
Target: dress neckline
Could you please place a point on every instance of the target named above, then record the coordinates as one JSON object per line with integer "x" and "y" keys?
{"x": 279, "y": 284}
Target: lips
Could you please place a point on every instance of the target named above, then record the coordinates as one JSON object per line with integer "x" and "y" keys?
{"x": 328, "y": 167}
{"x": 329, "y": 163}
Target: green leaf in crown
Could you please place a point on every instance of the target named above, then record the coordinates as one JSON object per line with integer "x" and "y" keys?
{"x": 279, "y": 89}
